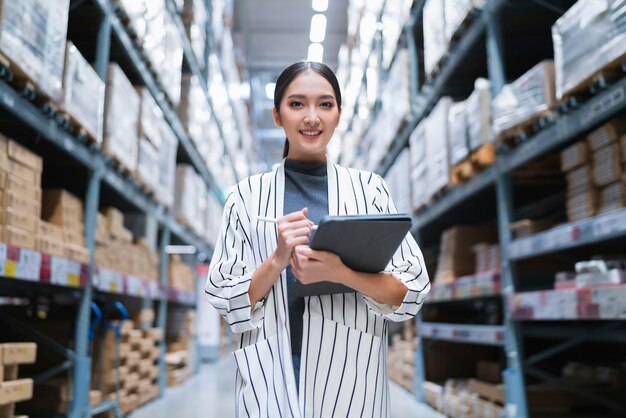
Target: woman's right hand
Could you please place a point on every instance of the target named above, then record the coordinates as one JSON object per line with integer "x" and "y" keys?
{"x": 293, "y": 229}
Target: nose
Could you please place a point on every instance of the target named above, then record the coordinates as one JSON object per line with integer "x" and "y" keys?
{"x": 311, "y": 117}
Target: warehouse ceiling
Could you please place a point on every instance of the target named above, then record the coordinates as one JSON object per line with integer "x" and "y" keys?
{"x": 274, "y": 34}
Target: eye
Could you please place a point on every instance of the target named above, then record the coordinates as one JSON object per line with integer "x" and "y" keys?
{"x": 327, "y": 105}
{"x": 295, "y": 104}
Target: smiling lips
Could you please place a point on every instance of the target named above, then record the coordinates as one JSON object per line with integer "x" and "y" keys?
{"x": 311, "y": 134}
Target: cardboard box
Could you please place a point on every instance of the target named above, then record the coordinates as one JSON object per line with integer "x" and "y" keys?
{"x": 50, "y": 231}
{"x": 62, "y": 208}
{"x": 52, "y": 247}
{"x": 612, "y": 197}
{"x": 24, "y": 156}
{"x": 13, "y": 217}
{"x": 583, "y": 205}
{"x": 24, "y": 173}
{"x": 575, "y": 156}
{"x": 18, "y": 237}
{"x": 16, "y": 200}
{"x": 11, "y": 183}
{"x": 74, "y": 236}
{"x": 18, "y": 353}
{"x": 606, "y": 134}
{"x": 77, "y": 253}
{"x": 607, "y": 167}
{"x": 16, "y": 391}
{"x": 623, "y": 147}
{"x": 579, "y": 180}
{"x": 486, "y": 390}
{"x": 489, "y": 371}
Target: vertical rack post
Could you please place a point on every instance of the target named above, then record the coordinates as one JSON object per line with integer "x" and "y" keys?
{"x": 419, "y": 376}
{"x": 79, "y": 407}
{"x": 162, "y": 314}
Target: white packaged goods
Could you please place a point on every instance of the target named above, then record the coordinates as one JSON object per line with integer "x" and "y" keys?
{"x": 150, "y": 119}
{"x": 162, "y": 45}
{"x": 135, "y": 10}
{"x": 419, "y": 172}
{"x": 588, "y": 37}
{"x": 435, "y": 44}
{"x": 526, "y": 98}
{"x": 194, "y": 110}
{"x": 148, "y": 164}
{"x": 196, "y": 18}
{"x": 395, "y": 16}
{"x": 437, "y": 145}
{"x": 455, "y": 12}
{"x": 32, "y": 36}
{"x": 121, "y": 118}
{"x": 478, "y": 114}
{"x": 398, "y": 181}
{"x": 167, "y": 164}
{"x": 191, "y": 198}
{"x": 459, "y": 140}
{"x": 83, "y": 93}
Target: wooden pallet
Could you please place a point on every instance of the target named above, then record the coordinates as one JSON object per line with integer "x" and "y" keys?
{"x": 522, "y": 130}
{"x": 72, "y": 125}
{"x": 596, "y": 82}
{"x": 464, "y": 25}
{"x": 476, "y": 162}
{"x": 117, "y": 163}
{"x": 142, "y": 184}
{"x": 9, "y": 375}
{"x": 29, "y": 88}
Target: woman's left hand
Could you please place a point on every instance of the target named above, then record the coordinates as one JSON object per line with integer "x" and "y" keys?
{"x": 311, "y": 266}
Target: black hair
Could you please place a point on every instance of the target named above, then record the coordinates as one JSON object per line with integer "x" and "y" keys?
{"x": 287, "y": 76}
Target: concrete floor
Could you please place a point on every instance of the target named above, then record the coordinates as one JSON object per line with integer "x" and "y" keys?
{"x": 211, "y": 393}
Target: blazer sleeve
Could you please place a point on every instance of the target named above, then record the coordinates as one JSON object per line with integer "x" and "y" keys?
{"x": 230, "y": 271}
{"x": 407, "y": 265}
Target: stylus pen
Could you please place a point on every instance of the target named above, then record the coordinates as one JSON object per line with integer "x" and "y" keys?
{"x": 274, "y": 220}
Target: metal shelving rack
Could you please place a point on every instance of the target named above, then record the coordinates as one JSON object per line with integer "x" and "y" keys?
{"x": 567, "y": 125}
{"x": 94, "y": 281}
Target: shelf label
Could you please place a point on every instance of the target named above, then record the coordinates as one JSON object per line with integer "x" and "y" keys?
{"x": 29, "y": 265}
{"x": 608, "y": 225}
{"x": 3, "y": 258}
{"x": 111, "y": 281}
{"x": 135, "y": 286}
{"x": 74, "y": 272}
{"x": 606, "y": 103}
{"x": 58, "y": 271}
{"x": 558, "y": 237}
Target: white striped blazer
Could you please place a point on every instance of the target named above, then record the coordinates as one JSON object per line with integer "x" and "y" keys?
{"x": 343, "y": 370}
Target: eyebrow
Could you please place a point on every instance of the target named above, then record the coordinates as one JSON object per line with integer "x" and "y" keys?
{"x": 302, "y": 96}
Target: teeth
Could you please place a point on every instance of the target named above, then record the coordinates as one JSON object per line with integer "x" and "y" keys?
{"x": 311, "y": 133}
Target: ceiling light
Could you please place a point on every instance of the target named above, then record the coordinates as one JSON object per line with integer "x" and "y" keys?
{"x": 316, "y": 52}
{"x": 269, "y": 90}
{"x": 318, "y": 28}
{"x": 320, "y": 5}
{"x": 180, "y": 249}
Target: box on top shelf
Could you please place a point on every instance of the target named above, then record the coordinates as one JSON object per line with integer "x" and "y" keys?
{"x": 607, "y": 134}
{"x": 478, "y": 111}
{"x": 459, "y": 139}
{"x": 395, "y": 16}
{"x": 612, "y": 197}
{"x": 607, "y": 167}
{"x": 32, "y": 37}
{"x": 83, "y": 93}
{"x": 530, "y": 96}
{"x": 455, "y": 14}
{"x": 194, "y": 110}
{"x": 435, "y": 44}
{"x": 135, "y": 11}
{"x": 437, "y": 146}
{"x": 588, "y": 39}
{"x": 121, "y": 119}
{"x": 188, "y": 185}
{"x": 419, "y": 166}
{"x": 148, "y": 164}
{"x": 62, "y": 208}
{"x": 195, "y": 17}
{"x": 150, "y": 118}
{"x": 574, "y": 156}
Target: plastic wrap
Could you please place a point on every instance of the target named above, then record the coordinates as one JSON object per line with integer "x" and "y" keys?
{"x": 195, "y": 17}
{"x": 121, "y": 118}
{"x": 525, "y": 98}
{"x": 398, "y": 181}
{"x": 187, "y": 193}
{"x": 455, "y": 12}
{"x": 33, "y": 35}
{"x": 148, "y": 164}
{"x": 167, "y": 164}
{"x": 419, "y": 172}
{"x": 437, "y": 145}
{"x": 135, "y": 10}
{"x": 194, "y": 110}
{"x": 435, "y": 44}
{"x": 150, "y": 119}
{"x": 478, "y": 114}
{"x": 83, "y": 93}
{"x": 590, "y": 35}
{"x": 395, "y": 16}
{"x": 457, "y": 126}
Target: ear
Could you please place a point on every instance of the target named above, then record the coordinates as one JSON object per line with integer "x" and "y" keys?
{"x": 276, "y": 116}
{"x": 338, "y": 119}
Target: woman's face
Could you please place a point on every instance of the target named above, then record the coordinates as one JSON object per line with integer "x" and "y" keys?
{"x": 309, "y": 115}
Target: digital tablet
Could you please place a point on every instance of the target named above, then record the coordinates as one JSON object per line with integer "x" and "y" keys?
{"x": 364, "y": 243}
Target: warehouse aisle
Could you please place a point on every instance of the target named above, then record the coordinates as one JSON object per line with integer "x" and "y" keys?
{"x": 210, "y": 394}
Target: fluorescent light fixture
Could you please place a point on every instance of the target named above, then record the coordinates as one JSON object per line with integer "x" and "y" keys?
{"x": 269, "y": 90}
{"x": 316, "y": 52}
{"x": 318, "y": 28}
{"x": 320, "y": 5}
{"x": 180, "y": 249}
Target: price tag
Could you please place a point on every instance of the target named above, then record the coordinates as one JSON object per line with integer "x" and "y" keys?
{"x": 153, "y": 290}
{"x": 10, "y": 268}
{"x": 3, "y": 258}
{"x": 74, "y": 270}
{"x": 608, "y": 225}
{"x": 558, "y": 237}
{"x": 111, "y": 281}
{"x": 29, "y": 265}
{"x": 135, "y": 286}
{"x": 58, "y": 270}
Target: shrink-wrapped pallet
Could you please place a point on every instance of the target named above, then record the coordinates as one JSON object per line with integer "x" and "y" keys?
{"x": 435, "y": 44}
{"x": 195, "y": 18}
{"x": 457, "y": 126}
{"x": 32, "y": 37}
{"x": 587, "y": 38}
{"x": 478, "y": 112}
{"x": 121, "y": 119}
{"x": 83, "y": 93}
{"x": 526, "y": 98}
{"x": 419, "y": 169}
{"x": 437, "y": 145}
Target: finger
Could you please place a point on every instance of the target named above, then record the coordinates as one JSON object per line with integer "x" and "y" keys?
{"x": 294, "y": 216}
{"x": 293, "y": 242}
{"x": 305, "y": 223}
{"x": 306, "y": 231}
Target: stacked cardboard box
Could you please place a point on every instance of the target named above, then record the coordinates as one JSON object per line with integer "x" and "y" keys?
{"x": 180, "y": 275}
{"x": 121, "y": 119}
{"x": 459, "y": 135}
{"x": 181, "y": 326}
{"x": 32, "y": 37}
{"x": 65, "y": 211}
{"x": 53, "y": 397}
{"x": 401, "y": 356}
{"x": 167, "y": 164}
{"x": 191, "y": 198}
{"x": 83, "y": 93}
{"x": 487, "y": 257}
{"x": 437, "y": 147}
{"x": 12, "y": 389}
{"x": 20, "y": 194}
{"x": 594, "y": 172}
{"x": 419, "y": 178}
{"x": 478, "y": 109}
{"x": 456, "y": 257}
{"x": 149, "y": 134}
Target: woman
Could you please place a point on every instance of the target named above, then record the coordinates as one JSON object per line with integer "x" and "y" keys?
{"x": 318, "y": 356}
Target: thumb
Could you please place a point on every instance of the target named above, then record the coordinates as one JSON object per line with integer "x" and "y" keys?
{"x": 305, "y": 211}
